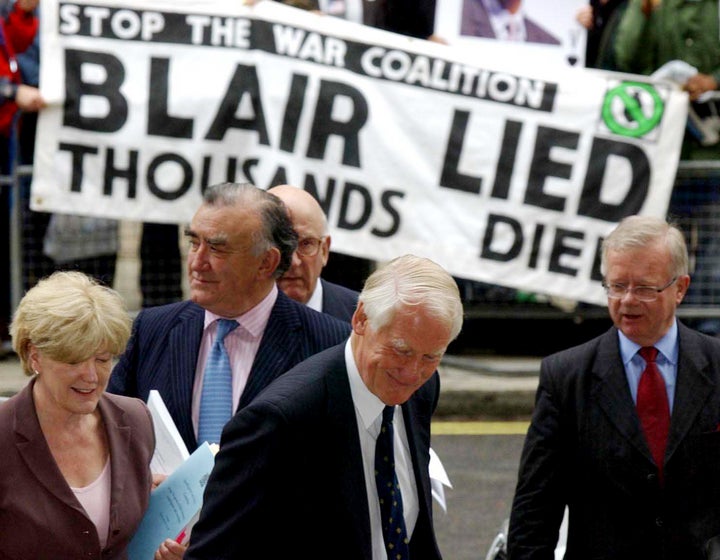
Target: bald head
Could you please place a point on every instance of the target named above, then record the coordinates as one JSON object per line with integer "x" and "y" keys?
{"x": 308, "y": 220}
{"x": 300, "y": 203}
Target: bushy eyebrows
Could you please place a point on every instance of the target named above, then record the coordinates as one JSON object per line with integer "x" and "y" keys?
{"x": 401, "y": 345}
{"x": 220, "y": 239}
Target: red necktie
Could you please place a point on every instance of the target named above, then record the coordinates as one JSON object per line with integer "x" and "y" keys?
{"x": 653, "y": 408}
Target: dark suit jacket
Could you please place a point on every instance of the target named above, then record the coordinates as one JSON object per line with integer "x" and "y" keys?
{"x": 288, "y": 481}
{"x": 163, "y": 350}
{"x": 585, "y": 448}
{"x": 338, "y": 301}
{"x": 40, "y": 518}
{"x": 476, "y": 23}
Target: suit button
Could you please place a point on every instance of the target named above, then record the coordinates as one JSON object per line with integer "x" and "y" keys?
{"x": 659, "y": 521}
{"x": 652, "y": 478}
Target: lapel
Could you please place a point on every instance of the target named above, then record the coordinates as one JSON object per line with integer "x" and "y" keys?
{"x": 343, "y": 434}
{"x": 119, "y": 435}
{"x": 278, "y": 347}
{"x": 692, "y": 388}
{"x": 328, "y": 302}
{"x": 183, "y": 347}
{"x": 613, "y": 394}
{"x": 33, "y": 449}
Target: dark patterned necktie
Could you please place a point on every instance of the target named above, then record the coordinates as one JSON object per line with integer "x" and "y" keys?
{"x": 653, "y": 408}
{"x": 391, "y": 506}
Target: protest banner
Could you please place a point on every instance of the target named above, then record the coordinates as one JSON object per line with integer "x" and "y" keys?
{"x": 501, "y": 171}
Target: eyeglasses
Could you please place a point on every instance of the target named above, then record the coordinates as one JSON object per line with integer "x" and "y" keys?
{"x": 309, "y": 246}
{"x": 642, "y": 293}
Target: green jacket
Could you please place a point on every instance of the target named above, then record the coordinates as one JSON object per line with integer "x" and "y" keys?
{"x": 676, "y": 30}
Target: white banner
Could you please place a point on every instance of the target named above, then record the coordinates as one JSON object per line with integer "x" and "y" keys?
{"x": 501, "y": 171}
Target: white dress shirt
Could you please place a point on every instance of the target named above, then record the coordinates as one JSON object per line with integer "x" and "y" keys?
{"x": 368, "y": 410}
{"x": 315, "y": 301}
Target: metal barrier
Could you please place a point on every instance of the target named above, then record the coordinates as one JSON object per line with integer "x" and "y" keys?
{"x": 13, "y": 182}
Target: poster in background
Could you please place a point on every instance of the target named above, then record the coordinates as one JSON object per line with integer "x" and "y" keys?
{"x": 555, "y": 19}
{"x": 501, "y": 170}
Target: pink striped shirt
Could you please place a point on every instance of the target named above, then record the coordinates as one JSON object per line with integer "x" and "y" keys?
{"x": 241, "y": 344}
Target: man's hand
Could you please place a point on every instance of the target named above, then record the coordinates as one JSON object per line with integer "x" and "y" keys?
{"x": 28, "y": 98}
{"x": 170, "y": 550}
{"x": 437, "y": 39}
{"x": 699, "y": 84}
{"x": 157, "y": 479}
{"x": 27, "y": 5}
{"x": 584, "y": 16}
{"x": 648, "y": 6}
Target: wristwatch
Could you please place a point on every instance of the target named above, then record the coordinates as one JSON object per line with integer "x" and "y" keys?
{"x": 8, "y": 90}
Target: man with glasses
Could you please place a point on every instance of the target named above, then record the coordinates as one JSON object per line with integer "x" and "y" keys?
{"x": 626, "y": 428}
{"x": 302, "y": 280}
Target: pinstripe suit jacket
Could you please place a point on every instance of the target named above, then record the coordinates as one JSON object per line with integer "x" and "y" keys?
{"x": 291, "y": 466}
{"x": 163, "y": 351}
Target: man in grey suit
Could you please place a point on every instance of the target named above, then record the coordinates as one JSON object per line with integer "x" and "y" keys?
{"x": 295, "y": 476}
{"x": 625, "y": 431}
{"x": 241, "y": 241}
{"x": 301, "y": 281}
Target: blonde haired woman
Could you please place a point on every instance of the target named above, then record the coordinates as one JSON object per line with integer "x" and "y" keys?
{"x": 75, "y": 478}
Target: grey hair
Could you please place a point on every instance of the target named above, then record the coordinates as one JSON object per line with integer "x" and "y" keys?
{"x": 638, "y": 232}
{"x": 410, "y": 281}
{"x": 277, "y": 230}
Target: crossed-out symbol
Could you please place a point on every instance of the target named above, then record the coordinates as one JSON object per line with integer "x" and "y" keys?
{"x": 632, "y": 109}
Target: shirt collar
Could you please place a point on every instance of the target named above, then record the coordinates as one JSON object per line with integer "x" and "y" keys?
{"x": 254, "y": 320}
{"x": 368, "y": 405}
{"x": 667, "y": 346}
{"x": 315, "y": 301}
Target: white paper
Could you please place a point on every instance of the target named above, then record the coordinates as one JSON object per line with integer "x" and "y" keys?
{"x": 170, "y": 449}
{"x": 438, "y": 479}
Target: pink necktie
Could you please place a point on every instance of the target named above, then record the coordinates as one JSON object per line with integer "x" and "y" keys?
{"x": 653, "y": 408}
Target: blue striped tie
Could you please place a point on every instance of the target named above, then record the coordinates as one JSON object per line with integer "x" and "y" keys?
{"x": 216, "y": 399}
{"x": 391, "y": 506}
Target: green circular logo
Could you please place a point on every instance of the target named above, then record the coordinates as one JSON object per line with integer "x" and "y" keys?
{"x": 632, "y": 109}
